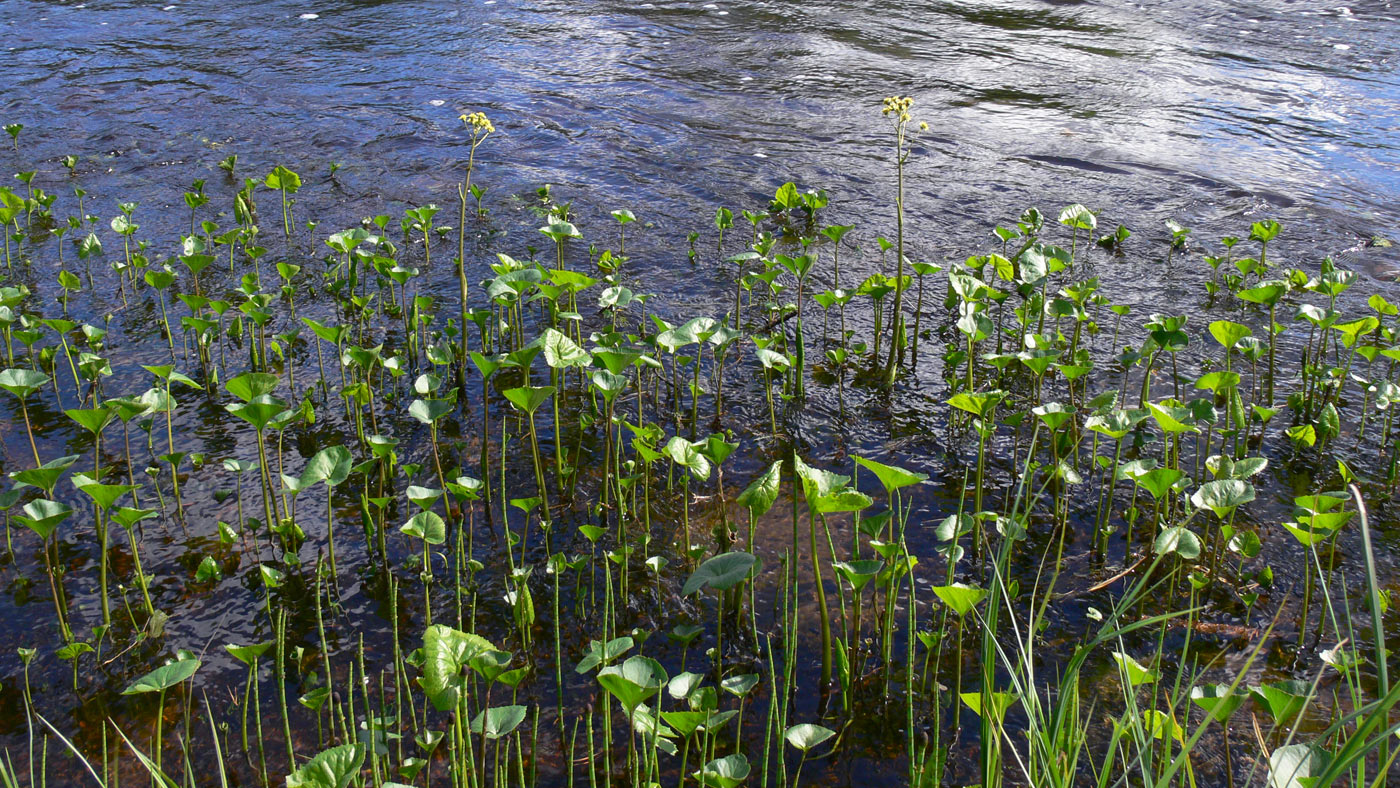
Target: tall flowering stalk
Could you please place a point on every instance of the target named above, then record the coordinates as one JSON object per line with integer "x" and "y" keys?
{"x": 898, "y": 107}
{"x": 481, "y": 128}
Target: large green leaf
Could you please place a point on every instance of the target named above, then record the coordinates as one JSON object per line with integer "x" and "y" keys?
{"x": 858, "y": 573}
{"x": 46, "y": 476}
{"x": 1114, "y": 424}
{"x": 891, "y": 477}
{"x": 427, "y": 411}
{"x": 689, "y": 456}
{"x": 1298, "y": 766}
{"x": 600, "y": 653}
{"x": 246, "y": 654}
{"x": 1135, "y": 672}
{"x": 104, "y": 494}
{"x": 1159, "y": 480}
{"x": 427, "y": 526}
{"x": 1223, "y": 496}
{"x": 283, "y": 178}
{"x": 806, "y": 735}
{"x": 259, "y": 412}
{"x": 1171, "y": 418}
{"x": 334, "y": 768}
{"x": 93, "y": 420}
{"x": 980, "y": 405}
{"x": 960, "y": 597}
{"x": 634, "y": 681}
{"x": 251, "y": 385}
{"x": 1283, "y": 700}
{"x": 499, "y": 721}
{"x": 1217, "y": 701}
{"x": 1267, "y": 293}
{"x": 446, "y": 652}
{"x": 43, "y": 516}
{"x": 1228, "y": 333}
{"x": 721, "y": 572}
{"x": 330, "y": 465}
{"x": 560, "y": 352}
{"x": 22, "y": 382}
{"x": 163, "y": 677}
{"x": 759, "y": 496}
{"x": 1178, "y": 539}
{"x": 999, "y": 702}
{"x": 726, "y": 772}
{"x": 529, "y": 398}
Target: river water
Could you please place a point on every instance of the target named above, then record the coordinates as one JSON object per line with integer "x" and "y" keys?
{"x": 1215, "y": 114}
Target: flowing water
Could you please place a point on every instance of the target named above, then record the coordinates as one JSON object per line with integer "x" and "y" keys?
{"x": 1215, "y": 114}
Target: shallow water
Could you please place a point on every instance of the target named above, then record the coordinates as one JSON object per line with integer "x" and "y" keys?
{"x": 1215, "y": 114}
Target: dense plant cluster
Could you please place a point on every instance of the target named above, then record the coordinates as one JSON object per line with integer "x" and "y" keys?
{"x": 535, "y": 478}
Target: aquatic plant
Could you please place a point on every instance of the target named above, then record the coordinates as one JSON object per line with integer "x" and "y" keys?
{"x": 1099, "y": 502}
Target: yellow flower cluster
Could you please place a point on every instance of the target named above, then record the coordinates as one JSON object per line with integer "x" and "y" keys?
{"x": 479, "y": 122}
{"x": 899, "y": 107}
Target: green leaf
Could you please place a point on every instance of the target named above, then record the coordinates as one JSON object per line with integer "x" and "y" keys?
{"x": 858, "y": 573}
{"x": 334, "y": 768}
{"x": 498, "y": 721}
{"x": 283, "y": 178}
{"x": 634, "y": 681}
{"x": 1078, "y": 217}
{"x": 246, "y": 654}
{"x": 560, "y": 352}
{"x": 558, "y": 231}
{"x": 1228, "y": 333}
{"x": 446, "y": 652}
{"x": 806, "y": 736}
{"x": 1170, "y": 418}
{"x": 1179, "y": 540}
{"x": 979, "y": 405}
{"x": 93, "y": 420}
{"x": 1136, "y": 673}
{"x": 688, "y": 455}
{"x": 1114, "y": 424}
{"x": 1297, "y": 766}
{"x": 740, "y": 685}
{"x": 163, "y": 677}
{"x": 759, "y": 496}
{"x": 529, "y": 398}
{"x": 890, "y": 477}
{"x": 962, "y": 598}
{"x": 427, "y": 411}
{"x": 1217, "y": 701}
{"x": 1000, "y": 702}
{"x": 427, "y": 526}
{"x": 251, "y": 385}
{"x": 208, "y": 570}
{"x": 1283, "y": 700}
{"x": 1223, "y": 496}
{"x": 600, "y": 653}
{"x": 22, "y": 382}
{"x": 1159, "y": 480}
{"x": 330, "y": 465}
{"x": 1266, "y": 293}
{"x": 43, "y": 516}
{"x": 721, "y": 572}
{"x": 259, "y": 412}
{"x": 726, "y": 772}
{"x": 103, "y": 494}
{"x": 685, "y": 722}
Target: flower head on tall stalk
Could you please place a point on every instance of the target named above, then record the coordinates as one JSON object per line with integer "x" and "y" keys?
{"x": 897, "y": 107}
{"x": 481, "y": 128}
